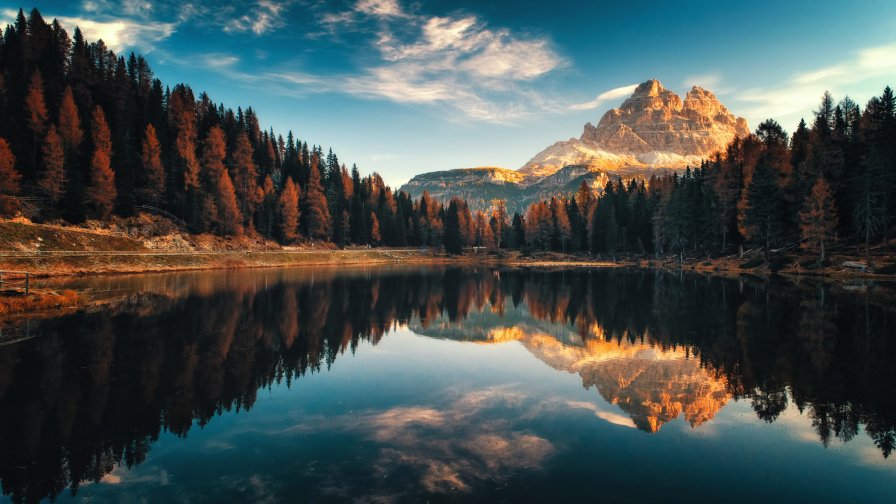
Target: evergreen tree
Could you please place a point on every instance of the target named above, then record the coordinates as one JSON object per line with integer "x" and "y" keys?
{"x": 454, "y": 242}
{"x": 760, "y": 212}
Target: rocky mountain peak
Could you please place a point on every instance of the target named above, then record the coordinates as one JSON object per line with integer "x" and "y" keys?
{"x": 654, "y": 119}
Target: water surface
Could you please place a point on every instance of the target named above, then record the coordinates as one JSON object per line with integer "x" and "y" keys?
{"x": 416, "y": 384}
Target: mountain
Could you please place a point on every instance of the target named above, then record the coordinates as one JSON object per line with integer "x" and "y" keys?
{"x": 651, "y": 385}
{"x": 652, "y": 132}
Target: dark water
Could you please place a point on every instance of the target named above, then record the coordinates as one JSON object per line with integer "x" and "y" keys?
{"x": 393, "y": 385}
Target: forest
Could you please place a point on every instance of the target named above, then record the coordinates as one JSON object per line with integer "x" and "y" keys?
{"x": 88, "y": 134}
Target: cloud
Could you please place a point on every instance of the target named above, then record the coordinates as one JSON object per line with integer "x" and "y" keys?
{"x": 613, "y": 94}
{"x": 455, "y": 61}
{"x": 216, "y": 60}
{"x": 119, "y": 34}
{"x": 802, "y": 92}
{"x": 266, "y": 16}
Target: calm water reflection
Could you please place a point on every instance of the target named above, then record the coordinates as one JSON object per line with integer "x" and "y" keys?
{"x": 445, "y": 384}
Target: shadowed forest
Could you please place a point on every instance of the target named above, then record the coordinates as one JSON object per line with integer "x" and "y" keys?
{"x": 177, "y": 358}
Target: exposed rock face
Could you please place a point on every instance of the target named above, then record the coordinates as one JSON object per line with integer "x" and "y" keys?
{"x": 656, "y": 119}
{"x": 653, "y": 131}
{"x": 651, "y": 385}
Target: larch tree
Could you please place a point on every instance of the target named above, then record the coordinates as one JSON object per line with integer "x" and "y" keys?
{"x": 288, "y": 212}
{"x": 153, "y": 171}
{"x": 373, "y": 226}
{"x": 315, "y": 210}
{"x": 36, "y": 110}
{"x": 228, "y": 208}
{"x": 818, "y": 220}
{"x": 101, "y": 192}
{"x": 9, "y": 180}
{"x": 499, "y": 220}
{"x": 245, "y": 175}
{"x": 70, "y": 124}
{"x": 219, "y": 184}
{"x": 52, "y": 176}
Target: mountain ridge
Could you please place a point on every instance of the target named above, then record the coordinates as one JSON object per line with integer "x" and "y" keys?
{"x": 652, "y": 132}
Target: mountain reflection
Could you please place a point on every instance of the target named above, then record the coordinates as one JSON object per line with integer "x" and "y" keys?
{"x": 97, "y": 388}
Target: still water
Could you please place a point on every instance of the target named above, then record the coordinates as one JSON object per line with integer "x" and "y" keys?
{"x": 433, "y": 384}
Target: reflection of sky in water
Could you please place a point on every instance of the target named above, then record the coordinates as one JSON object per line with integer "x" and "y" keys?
{"x": 414, "y": 415}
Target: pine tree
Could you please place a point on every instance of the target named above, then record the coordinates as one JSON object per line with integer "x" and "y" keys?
{"x": 101, "y": 192}
{"x": 9, "y": 180}
{"x": 454, "y": 242}
{"x": 153, "y": 171}
{"x": 288, "y": 212}
{"x": 759, "y": 217}
{"x": 52, "y": 178}
{"x": 818, "y": 220}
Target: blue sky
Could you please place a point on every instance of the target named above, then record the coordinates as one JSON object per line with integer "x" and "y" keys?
{"x": 404, "y": 87}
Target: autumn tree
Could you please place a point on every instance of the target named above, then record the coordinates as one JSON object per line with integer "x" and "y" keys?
{"x": 101, "y": 192}
{"x": 499, "y": 222}
{"x": 373, "y": 225}
{"x": 9, "y": 179}
{"x": 70, "y": 130}
{"x": 52, "y": 177}
{"x": 315, "y": 211}
{"x": 218, "y": 183}
{"x": 818, "y": 220}
{"x": 288, "y": 212}
{"x": 36, "y": 110}
{"x": 244, "y": 173}
{"x": 153, "y": 171}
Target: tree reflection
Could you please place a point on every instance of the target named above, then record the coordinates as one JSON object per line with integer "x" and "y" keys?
{"x": 98, "y": 388}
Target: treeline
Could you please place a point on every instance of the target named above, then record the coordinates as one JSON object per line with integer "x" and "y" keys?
{"x": 832, "y": 181}
{"x": 86, "y": 133}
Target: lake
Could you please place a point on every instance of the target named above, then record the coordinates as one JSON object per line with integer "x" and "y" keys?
{"x": 406, "y": 384}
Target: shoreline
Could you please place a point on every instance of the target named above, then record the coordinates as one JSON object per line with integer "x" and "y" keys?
{"x": 50, "y": 300}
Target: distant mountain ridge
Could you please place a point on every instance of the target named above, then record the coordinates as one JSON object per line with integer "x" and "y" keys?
{"x": 653, "y": 131}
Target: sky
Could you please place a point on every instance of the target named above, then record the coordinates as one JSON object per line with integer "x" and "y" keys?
{"x": 404, "y": 87}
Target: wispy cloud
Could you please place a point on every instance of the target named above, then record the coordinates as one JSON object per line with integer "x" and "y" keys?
{"x": 803, "y": 90}
{"x": 613, "y": 94}
{"x": 266, "y": 16}
{"x": 456, "y": 61}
